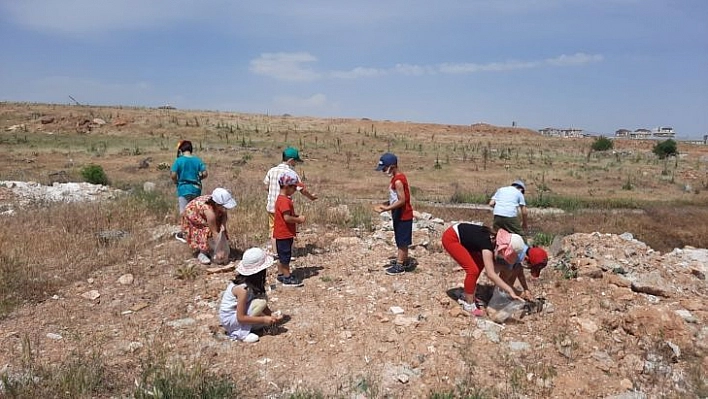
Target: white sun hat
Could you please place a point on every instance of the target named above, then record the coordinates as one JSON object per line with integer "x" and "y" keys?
{"x": 254, "y": 260}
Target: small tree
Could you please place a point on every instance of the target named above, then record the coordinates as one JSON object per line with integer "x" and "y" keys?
{"x": 665, "y": 149}
{"x": 94, "y": 174}
{"x": 602, "y": 143}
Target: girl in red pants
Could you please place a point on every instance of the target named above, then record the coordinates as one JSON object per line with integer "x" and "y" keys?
{"x": 474, "y": 247}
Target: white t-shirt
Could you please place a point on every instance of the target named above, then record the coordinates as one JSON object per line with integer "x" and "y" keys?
{"x": 506, "y": 200}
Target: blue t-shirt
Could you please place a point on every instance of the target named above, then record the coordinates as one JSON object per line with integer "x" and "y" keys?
{"x": 188, "y": 168}
{"x": 506, "y": 200}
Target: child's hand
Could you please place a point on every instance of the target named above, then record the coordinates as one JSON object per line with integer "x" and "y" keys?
{"x": 527, "y": 295}
{"x": 380, "y": 208}
{"x": 516, "y": 297}
{"x": 301, "y": 219}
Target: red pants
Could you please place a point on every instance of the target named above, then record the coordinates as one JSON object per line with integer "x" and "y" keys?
{"x": 470, "y": 262}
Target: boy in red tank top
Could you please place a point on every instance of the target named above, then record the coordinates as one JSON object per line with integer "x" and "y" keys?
{"x": 399, "y": 204}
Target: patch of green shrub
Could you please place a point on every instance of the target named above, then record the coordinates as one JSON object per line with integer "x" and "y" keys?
{"x": 94, "y": 174}
{"x": 467, "y": 197}
{"x": 665, "y": 149}
{"x": 602, "y": 143}
{"x": 543, "y": 239}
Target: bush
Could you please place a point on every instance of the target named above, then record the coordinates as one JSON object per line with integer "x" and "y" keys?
{"x": 94, "y": 174}
{"x": 602, "y": 143}
{"x": 665, "y": 149}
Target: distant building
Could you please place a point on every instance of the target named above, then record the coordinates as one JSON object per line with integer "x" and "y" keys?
{"x": 664, "y": 132}
{"x": 567, "y": 133}
{"x": 640, "y": 134}
{"x": 623, "y": 133}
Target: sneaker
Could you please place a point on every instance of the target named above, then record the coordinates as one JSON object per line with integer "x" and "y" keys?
{"x": 251, "y": 338}
{"x": 180, "y": 237}
{"x": 280, "y": 277}
{"x": 408, "y": 264}
{"x": 471, "y": 308}
{"x": 396, "y": 270}
{"x": 291, "y": 281}
{"x": 203, "y": 258}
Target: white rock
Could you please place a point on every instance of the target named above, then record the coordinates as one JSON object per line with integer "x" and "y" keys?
{"x": 686, "y": 315}
{"x": 519, "y": 346}
{"x": 91, "y": 295}
{"x": 54, "y": 336}
{"x": 148, "y": 186}
{"x": 126, "y": 279}
{"x": 181, "y": 322}
{"x": 586, "y": 325}
{"x": 396, "y": 310}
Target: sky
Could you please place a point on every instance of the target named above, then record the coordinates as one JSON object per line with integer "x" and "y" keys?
{"x": 597, "y": 65}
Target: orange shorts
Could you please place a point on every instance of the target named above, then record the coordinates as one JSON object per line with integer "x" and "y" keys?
{"x": 271, "y": 224}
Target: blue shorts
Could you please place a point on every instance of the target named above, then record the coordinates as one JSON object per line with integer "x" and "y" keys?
{"x": 403, "y": 232}
{"x": 285, "y": 250}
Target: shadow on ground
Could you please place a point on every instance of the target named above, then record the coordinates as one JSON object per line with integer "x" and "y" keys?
{"x": 483, "y": 293}
{"x": 307, "y": 272}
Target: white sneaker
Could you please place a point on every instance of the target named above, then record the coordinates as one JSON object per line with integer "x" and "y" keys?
{"x": 203, "y": 259}
{"x": 251, "y": 338}
{"x": 470, "y": 308}
{"x": 180, "y": 237}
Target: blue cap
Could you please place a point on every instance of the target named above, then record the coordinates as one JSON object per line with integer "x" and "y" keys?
{"x": 387, "y": 160}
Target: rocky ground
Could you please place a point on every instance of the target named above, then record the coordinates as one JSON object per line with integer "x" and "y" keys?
{"x": 620, "y": 320}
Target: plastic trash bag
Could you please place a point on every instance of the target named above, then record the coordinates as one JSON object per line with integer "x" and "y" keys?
{"x": 502, "y": 307}
{"x": 221, "y": 249}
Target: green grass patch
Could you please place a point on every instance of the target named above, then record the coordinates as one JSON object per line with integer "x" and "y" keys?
{"x": 467, "y": 197}
{"x": 569, "y": 204}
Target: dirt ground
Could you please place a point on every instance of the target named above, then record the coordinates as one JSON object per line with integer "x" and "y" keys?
{"x": 343, "y": 339}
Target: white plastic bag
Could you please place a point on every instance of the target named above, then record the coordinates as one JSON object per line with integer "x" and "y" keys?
{"x": 502, "y": 307}
{"x": 221, "y": 249}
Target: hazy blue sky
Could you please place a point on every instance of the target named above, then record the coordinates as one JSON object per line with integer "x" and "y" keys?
{"x": 599, "y": 65}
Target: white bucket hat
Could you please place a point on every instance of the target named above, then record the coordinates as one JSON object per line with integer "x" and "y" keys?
{"x": 254, "y": 260}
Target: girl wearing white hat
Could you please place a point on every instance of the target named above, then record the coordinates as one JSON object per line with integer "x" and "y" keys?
{"x": 244, "y": 305}
{"x": 204, "y": 218}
